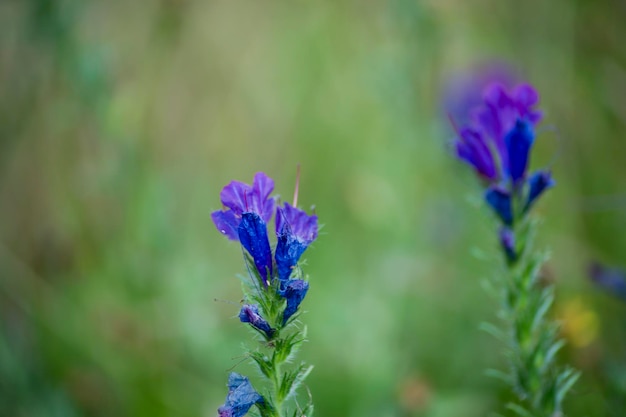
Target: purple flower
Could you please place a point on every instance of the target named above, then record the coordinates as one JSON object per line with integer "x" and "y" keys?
{"x": 295, "y": 291}
{"x": 610, "y": 279}
{"x": 472, "y": 148}
{"x": 497, "y": 142}
{"x": 241, "y": 198}
{"x": 501, "y": 129}
{"x": 464, "y": 91}
{"x": 241, "y": 396}
{"x": 250, "y": 314}
{"x": 295, "y": 231}
{"x": 252, "y": 232}
{"x": 501, "y": 111}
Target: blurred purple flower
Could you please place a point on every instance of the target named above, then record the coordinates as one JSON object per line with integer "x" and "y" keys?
{"x": 464, "y": 91}
{"x": 472, "y": 148}
{"x": 497, "y": 142}
{"x": 612, "y": 280}
{"x": 499, "y": 114}
{"x": 241, "y": 198}
{"x": 500, "y": 133}
{"x": 250, "y": 314}
{"x": 295, "y": 231}
{"x": 295, "y": 291}
{"x": 241, "y": 397}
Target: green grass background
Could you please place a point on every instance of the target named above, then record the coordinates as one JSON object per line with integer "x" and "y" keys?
{"x": 121, "y": 121}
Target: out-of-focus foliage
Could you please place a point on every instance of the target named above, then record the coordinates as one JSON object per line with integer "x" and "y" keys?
{"x": 121, "y": 121}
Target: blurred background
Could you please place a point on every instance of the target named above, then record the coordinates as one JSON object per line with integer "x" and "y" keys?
{"x": 120, "y": 122}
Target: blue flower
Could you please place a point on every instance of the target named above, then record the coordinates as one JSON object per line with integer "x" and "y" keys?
{"x": 241, "y": 397}
{"x": 537, "y": 184}
{"x": 500, "y": 202}
{"x": 239, "y": 198}
{"x": 518, "y": 142}
{"x": 250, "y": 314}
{"x": 295, "y": 231}
{"x": 295, "y": 291}
{"x": 252, "y": 232}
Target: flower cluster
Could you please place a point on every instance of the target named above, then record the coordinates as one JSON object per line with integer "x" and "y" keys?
{"x": 497, "y": 142}
{"x": 248, "y": 210}
{"x": 276, "y": 290}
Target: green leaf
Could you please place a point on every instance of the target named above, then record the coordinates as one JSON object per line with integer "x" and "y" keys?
{"x": 565, "y": 381}
{"x": 291, "y": 381}
{"x": 264, "y": 363}
{"x": 493, "y": 330}
{"x": 519, "y": 410}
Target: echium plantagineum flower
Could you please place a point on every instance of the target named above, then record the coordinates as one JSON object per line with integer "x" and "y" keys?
{"x": 278, "y": 287}
{"x": 241, "y": 397}
{"x": 248, "y": 209}
{"x": 497, "y": 142}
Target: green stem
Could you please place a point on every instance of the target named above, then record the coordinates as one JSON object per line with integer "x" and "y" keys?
{"x": 539, "y": 384}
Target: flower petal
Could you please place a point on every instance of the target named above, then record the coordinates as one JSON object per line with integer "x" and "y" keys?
{"x": 288, "y": 253}
{"x": 295, "y": 230}
{"x": 525, "y": 96}
{"x": 253, "y": 236}
{"x": 300, "y": 224}
{"x": 227, "y": 223}
{"x": 241, "y": 397}
{"x": 500, "y": 202}
{"x": 471, "y": 148}
{"x": 537, "y": 184}
{"x": 250, "y": 314}
{"x": 236, "y": 196}
{"x": 261, "y": 204}
{"x": 294, "y": 292}
{"x": 518, "y": 143}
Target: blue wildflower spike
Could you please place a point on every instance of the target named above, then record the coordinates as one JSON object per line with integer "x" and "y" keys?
{"x": 537, "y": 184}
{"x": 507, "y": 241}
{"x": 610, "y": 279}
{"x": 239, "y": 198}
{"x": 295, "y": 291}
{"x": 241, "y": 397}
{"x": 518, "y": 143}
{"x": 250, "y": 314}
{"x": 295, "y": 231}
{"x": 500, "y": 202}
{"x": 253, "y": 236}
